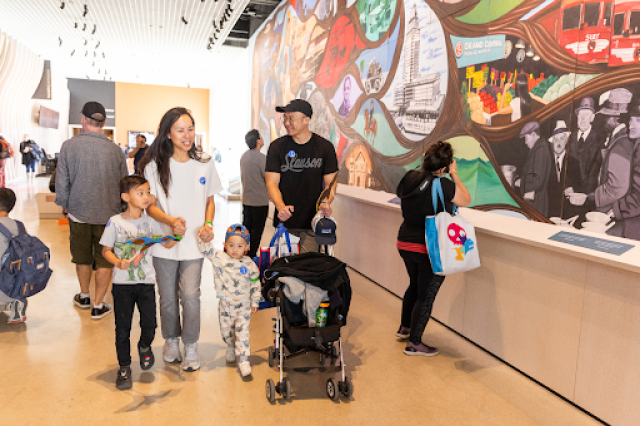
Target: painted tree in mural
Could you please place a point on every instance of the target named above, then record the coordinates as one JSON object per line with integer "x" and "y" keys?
{"x": 539, "y": 98}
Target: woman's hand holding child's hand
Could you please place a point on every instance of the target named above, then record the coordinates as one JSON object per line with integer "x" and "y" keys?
{"x": 179, "y": 226}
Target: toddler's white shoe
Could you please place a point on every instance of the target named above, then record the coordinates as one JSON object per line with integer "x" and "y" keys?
{"x": 231, "y": 355}
{"x": 245, "y": 368}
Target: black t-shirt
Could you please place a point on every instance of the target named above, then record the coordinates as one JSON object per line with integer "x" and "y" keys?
{"x": 138, "y": 156}
{"x": 416, "y": 206}
{"x": 302, "y": 169}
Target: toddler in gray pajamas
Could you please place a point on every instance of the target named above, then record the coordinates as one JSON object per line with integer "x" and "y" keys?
{"x": 238, "y": 288}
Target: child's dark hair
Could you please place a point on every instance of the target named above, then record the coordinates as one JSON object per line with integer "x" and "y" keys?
{"x": 438, "y": 155}
{"x": 128, "y": 183}
{"x": 7, "y": 200}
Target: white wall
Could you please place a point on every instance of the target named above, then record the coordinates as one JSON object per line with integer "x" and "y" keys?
{"x": 20, "y": 74}
{"x": 230, "y": 114}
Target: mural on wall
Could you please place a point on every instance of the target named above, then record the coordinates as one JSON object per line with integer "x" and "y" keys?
{"x": 539, "y": 98}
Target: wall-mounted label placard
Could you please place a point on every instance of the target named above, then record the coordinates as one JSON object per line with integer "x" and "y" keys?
{"x": 593, "y": 243}
{"x": 478, "y": 50}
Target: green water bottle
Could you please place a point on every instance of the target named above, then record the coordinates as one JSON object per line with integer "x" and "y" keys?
{"x": 322, "y": 314}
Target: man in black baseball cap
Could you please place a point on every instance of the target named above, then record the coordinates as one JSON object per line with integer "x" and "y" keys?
{"x": 297, "y": 105}
{"x": 95, "y": 111}
{"x": 298, "y": 166}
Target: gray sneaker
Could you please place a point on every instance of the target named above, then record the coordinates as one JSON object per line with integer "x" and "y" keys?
{"x": 191, "y": 361}
{"x": 171, "y": 350}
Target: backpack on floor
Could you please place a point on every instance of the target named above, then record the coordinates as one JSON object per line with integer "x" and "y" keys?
{"x": 24, "y": 270}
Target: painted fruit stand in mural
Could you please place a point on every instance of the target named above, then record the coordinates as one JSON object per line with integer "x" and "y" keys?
{"x": 540, "y": 99}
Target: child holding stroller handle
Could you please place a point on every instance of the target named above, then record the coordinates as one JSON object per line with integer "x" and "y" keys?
{"x": 237, "y": 282}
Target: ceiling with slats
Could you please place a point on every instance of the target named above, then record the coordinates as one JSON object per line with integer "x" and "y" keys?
{"x": 142, "y": 41}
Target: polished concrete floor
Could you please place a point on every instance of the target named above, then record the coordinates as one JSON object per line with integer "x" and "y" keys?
{"x": 59, "y": 367}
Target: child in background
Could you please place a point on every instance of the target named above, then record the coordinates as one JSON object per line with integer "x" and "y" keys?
{"x": 238, "y": 288}
{"x": 133, "y": 276}
{"x": 17, "y": 307}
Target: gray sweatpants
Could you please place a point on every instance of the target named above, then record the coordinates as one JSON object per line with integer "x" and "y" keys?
{"x": 307, "y": 240}
{"x": 179, "y": 280}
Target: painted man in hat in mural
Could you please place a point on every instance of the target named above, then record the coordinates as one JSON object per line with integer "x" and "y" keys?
{"x": 534, "y": 177}
{"x": 615, "y": 173}
{"x": 585, "y": 145}
{"x": 626, "y": 210}
{"x": 565, "y": 173}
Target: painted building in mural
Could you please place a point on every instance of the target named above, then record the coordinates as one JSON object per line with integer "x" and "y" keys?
{"x": 540, "y": 100}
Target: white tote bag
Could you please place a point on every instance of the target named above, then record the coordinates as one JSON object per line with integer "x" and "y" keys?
{"x": 451, "y": 239}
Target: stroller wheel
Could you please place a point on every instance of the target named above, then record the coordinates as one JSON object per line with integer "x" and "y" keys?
{"x": 270, "y": 388}
{"x": 272, "y": 356}
{"x": 287, "y": 389}
{"x": 346, "y": 387}
{"x": 332, "y": 390}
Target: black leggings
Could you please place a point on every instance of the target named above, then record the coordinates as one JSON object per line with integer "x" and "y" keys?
{"x": 419, "y": 297}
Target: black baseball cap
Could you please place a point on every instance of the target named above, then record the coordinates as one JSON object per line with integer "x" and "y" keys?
{"x": 297, "y": 105}
{"x": 94, "y": 111}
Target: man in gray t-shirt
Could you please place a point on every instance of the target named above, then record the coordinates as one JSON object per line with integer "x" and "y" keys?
{"x": 255, "y": 198}
{"x": 88, "y": 189}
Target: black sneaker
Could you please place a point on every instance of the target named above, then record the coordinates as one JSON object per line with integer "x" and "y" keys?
{"x": 102, "y": 312}
{"x": 123, "y": 381}
{"x": 81, "y": 302}
{"x": 146, "y": 357}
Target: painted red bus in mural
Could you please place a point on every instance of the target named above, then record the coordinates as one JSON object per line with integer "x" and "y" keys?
{"x": 582, "y": 28}
{"x": 625, "y": 39}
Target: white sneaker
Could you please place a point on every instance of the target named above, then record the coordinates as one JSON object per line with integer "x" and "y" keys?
{"x": 171, "y": 350}
{"x": 191, "y": 360}
{"x": 245, "y": 368}
{"x": 231, "y": 355}
{"x": 18, "y": 311}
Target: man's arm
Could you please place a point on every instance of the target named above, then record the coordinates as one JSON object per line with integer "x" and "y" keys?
{"x": 134, "y": 151}
{"x": 541, "y": 168}
{"x": 273, "y": 188}
{"x": 618, "y": 177}
{"x": 325, "y": 204}
{"x": 63, "y": 182}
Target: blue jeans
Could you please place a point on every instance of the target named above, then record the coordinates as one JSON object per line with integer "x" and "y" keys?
{"x": 31, "y": 167}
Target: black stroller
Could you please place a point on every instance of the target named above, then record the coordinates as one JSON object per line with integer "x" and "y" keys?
{"x": 291, "y": 326}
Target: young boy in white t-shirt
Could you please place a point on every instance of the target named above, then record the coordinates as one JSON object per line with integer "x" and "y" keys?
{"x": 133, "y": 276}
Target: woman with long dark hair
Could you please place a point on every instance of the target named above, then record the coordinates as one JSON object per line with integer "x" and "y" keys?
{"x": 520, "y": 105}
{"x": 414, "y": 191}
{"x": 183, "y": 182}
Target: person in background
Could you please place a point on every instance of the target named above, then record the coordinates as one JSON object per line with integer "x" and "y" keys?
{"x": 17, "y": 307}
{"x": 416, "y": 204}
{"x": 87, "y": 187}
{"x": 29, "y": 150}
{"x": 6, "y": 152}
{"x": 183, "y": 184}
{"x": 255, "y": 198}
{"x": 138, "y": 152}
{"x": 298, "y": 166}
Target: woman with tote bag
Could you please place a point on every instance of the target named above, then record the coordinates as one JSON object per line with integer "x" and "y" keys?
{"x": 414, "y": 191}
